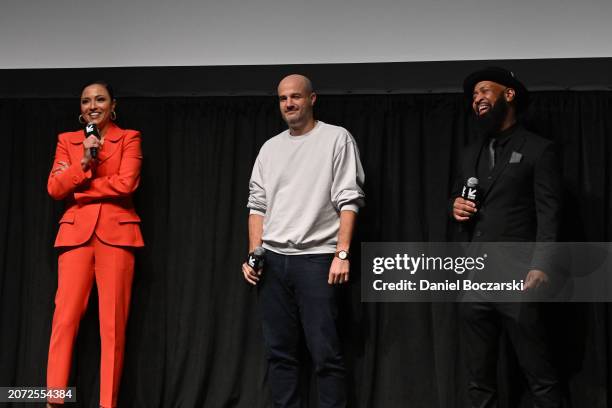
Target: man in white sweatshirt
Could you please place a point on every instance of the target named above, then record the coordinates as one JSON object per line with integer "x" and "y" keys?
{"x": 305, "y": 191}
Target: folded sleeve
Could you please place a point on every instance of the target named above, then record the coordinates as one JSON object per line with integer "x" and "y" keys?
{"x": 257, "y": 194}
{"x": 348, "y": 179}
{"x": 61, "y": 183}
{"x": 121, "y": 184}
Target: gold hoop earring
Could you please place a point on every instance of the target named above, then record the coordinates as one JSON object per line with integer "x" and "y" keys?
{"x": 113, "y": 115}
{"x": 81, "y": 120}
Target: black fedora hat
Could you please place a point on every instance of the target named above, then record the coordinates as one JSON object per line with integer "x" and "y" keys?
{"x": 501, "y": 76}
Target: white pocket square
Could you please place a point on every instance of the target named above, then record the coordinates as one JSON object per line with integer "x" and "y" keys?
{"x": 516, "y": 157}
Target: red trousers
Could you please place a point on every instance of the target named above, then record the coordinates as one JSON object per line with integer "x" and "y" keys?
{"x": 112, "y": 268}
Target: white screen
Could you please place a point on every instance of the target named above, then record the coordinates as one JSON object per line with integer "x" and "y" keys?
{"x": 113, "y": 33}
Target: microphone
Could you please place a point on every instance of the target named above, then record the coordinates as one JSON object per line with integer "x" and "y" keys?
{"x": 470, "y": 190}
{"x": 92, "y": 129}
{"x": 256, "y": 259}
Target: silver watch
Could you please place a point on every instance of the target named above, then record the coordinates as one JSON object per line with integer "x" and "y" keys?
{"x": 343, "y": 255}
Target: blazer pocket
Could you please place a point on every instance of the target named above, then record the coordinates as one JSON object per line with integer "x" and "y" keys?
{"x": 67, "y": 218}
{"x": 128, "y": 218}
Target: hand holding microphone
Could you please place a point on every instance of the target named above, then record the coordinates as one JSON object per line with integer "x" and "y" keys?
{"x": 252, "y": 268}
{"x": 91, "y": 144}
{"x": 466, "y": 205}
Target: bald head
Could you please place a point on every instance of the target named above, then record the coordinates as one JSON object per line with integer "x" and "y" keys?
{"x": 297, "y": 81}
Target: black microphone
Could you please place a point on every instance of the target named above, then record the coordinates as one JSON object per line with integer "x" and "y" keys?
{"x": 256, "y": 259}
{"x": 92, "y": 129}
{"x": 471, "y": 191}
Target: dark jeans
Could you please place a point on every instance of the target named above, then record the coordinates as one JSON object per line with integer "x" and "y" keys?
{"x": 483, "y": 324}
{"x": 294, "y": 297}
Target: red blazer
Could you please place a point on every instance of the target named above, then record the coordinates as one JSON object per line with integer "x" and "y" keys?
{"x": 101, "y": 200}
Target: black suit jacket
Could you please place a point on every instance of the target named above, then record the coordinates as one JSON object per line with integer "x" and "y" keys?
{"x": 520, "y": 200}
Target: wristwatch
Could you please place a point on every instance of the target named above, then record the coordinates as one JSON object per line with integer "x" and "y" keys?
{"x": 342, "y": 254}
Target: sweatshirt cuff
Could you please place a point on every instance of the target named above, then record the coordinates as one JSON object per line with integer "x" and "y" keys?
{"x": 256, "y": 212}
{"x": 350, "y": 207}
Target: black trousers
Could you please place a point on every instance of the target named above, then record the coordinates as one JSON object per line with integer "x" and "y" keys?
{"x": 482, "y": 327}
{"x": 295, "y": 298}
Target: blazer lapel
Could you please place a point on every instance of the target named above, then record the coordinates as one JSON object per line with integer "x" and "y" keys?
{"x": 514, "y": 145}
{"x": 472, "y": 160}
{"x": 111, "y": 142}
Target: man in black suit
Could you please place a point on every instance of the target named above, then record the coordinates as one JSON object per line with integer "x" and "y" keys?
{"x": 520, "y": 196}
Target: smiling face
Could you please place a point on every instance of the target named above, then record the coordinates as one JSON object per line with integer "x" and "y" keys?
{"x": 487, "y": 93}
{"x": 97, "y": 105}
{"x": 493, "y": 105}
{"x": 296, "y": 100}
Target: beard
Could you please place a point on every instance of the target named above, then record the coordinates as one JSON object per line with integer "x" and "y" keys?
{"x": 293, "y": 119}
{"x": 492, "y": 121}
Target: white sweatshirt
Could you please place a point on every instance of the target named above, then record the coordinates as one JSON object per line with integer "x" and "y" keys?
{"x": 301, "y": 183}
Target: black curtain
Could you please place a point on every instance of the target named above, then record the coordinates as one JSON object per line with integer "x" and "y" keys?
{"x": 194, "y": 337}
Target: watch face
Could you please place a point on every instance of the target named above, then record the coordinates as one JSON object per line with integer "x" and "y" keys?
{"x": 342, "y": 255}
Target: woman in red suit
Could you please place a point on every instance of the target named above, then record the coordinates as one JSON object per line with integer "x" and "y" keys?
{"x": 97, "y": 236}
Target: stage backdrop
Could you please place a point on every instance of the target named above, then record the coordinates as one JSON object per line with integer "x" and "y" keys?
{"x": 194, "y": 337}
